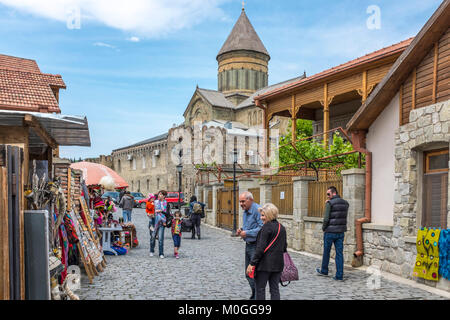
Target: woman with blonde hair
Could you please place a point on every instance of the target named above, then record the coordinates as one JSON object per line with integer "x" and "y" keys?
{"x": 267, "y": 263}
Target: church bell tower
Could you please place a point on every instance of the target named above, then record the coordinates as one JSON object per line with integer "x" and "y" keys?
{"x": 243, "y": 62}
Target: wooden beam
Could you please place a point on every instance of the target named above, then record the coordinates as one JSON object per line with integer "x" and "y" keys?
{"x": 435, "y": 65}
{"x": 414, "y": 80}
{"x": 400, "y": 106}
{"x": 32, "y": 122}
{"x": 326, "y": 115}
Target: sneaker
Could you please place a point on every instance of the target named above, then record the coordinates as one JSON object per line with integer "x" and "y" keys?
{"x": 337, "y": 279}
{"x": 177, "y": 256}
{"x": 151, "y": 254}
{"x": 161, "y": 256}
{"x": 319, "y": 272}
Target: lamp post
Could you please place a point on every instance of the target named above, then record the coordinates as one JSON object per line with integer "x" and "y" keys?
{"x": 179, "y": 170}
{"x": 235, "y": 154}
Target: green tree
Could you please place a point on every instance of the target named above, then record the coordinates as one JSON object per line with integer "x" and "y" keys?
{"x": 312, "y": 148}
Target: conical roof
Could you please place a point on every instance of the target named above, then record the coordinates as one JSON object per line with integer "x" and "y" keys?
{"x": 243, "y": 37}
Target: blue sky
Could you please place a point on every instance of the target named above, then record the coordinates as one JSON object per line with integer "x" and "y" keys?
{"x": 132, "y": 67}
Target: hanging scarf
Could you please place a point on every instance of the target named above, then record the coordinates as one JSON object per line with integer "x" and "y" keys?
{"x": 427, "y": 259}
{"x": 444, "y": 254}
{"x": 65, "y": 251}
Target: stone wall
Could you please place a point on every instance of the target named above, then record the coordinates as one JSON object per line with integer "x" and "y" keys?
{"x": 393, "y": 248}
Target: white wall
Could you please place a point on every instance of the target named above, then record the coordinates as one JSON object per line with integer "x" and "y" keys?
{"x": 381, "y": 142}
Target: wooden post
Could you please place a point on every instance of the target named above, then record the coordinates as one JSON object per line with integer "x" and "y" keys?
{"x": 4, "y": 247}
{"x": 414, "y": 79}
{"x": 364, "y": 86}
{"x": 326, "y": 115}
{"x": 294, "y": 120}
{"x": 86, "y": 265}
{"x": 435, "y": 65}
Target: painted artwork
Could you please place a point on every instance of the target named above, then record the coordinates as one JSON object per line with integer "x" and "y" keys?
{"x": 427, "y": 260}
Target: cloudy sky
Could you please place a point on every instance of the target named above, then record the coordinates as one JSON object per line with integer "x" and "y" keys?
{"x": 131, "y": 66}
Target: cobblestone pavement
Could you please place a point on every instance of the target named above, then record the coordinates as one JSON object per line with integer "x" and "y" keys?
{"x": 213, "y": 268}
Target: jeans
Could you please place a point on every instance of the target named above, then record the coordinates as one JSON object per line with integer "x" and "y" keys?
{"x": 261, "y": 279}
{"x": 250, "y": 249}
{"x": 160, "y": 240}
{"x": 126, "y": 216}
{"x": 196, "y": 220}
{"x": 338, "y": 240}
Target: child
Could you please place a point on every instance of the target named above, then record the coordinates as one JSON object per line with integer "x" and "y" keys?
{"x": 150, "y": 209}
{"x": 176, "y": 233}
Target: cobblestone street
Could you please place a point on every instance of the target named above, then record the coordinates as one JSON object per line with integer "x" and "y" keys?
{"x": 213, "y": 268}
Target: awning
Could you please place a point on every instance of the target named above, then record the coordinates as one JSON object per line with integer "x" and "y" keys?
{"x": 48, "y": 128}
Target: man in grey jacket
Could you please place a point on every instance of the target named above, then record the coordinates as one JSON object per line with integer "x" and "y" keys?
{"x": 127, "y": 204}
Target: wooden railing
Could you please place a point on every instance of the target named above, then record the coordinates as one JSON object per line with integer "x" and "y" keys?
{"x": 317, "y": 195}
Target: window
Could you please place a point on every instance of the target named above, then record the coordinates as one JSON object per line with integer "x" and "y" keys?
{"x": 133, "y": 164}
{"x": 435, "y": 189}
{"x": 118, "y": 166}
{"x": 153, "y": 161}
{"x": 143, "y": 162}
{"x": 148, "y": 185}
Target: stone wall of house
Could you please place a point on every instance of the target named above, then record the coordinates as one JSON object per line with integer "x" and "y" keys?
{"x": 393, "y": 248}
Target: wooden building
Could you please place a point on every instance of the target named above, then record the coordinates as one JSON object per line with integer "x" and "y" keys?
{"x": 31, "y": 128}
{"x": 404, "y": 124}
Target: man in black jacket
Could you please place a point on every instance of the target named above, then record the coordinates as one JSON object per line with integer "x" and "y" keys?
{"x": 334, "y": 226}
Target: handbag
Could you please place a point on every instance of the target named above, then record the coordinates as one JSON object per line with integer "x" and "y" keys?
{"x": 290, "y": 272}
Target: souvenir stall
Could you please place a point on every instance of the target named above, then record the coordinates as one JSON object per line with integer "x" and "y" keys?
{"x": 72, "y": 234}
{"x": 33, "y": 204}
{"x": 118, "y": 237}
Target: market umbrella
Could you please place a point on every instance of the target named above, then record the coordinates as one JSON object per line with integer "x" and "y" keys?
{"x": 94, "y": 172}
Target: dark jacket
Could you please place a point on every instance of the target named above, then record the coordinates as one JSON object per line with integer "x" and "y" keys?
{"x": 272, "y": 260}
{"x": 336, "y": 221}
{"x": 127, "y": 202}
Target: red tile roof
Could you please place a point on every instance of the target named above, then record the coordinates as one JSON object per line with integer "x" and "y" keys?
{"x": 24, "y": 87}
{"x": 379, "y": 54}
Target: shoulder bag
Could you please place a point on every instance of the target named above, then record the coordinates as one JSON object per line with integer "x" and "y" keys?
{"x": 290, "y": 271}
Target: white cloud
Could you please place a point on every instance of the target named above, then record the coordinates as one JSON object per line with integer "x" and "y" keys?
{"x": 102, "y": 44}
{"x": 146, "y": 18}
{"x": 134, "y": 39}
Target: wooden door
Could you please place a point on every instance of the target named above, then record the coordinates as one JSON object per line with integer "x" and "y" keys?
{"x": 225, "y": 208}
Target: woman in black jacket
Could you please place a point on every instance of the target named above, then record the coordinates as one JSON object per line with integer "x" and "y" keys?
{"x": 268, "y": 265}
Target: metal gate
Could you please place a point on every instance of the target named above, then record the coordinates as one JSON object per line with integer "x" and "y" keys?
{"x": 225, "y": 208}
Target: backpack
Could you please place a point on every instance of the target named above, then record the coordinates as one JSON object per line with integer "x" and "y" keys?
{"x": 197, "y": 208}
{"x": 169, "y": 217}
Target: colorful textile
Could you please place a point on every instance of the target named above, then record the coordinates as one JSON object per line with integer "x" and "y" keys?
{"x": 70, "y": 229}
{"x": 444, "y": 254}
{"x": 427, "y": 260}
{"x": 176, "y": 227}
{"x": 65, "y": 251}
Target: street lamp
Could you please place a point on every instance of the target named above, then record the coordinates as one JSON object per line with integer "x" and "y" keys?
{"x": 235, "y": 159}
{"x": 179, "y": 170}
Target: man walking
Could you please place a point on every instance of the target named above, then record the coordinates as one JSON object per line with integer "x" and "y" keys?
{"x": 251, "y": 225}
{"x": 127, "y": 204}
{"x": 196, "y": 209}
{"x": 334, "y": 227}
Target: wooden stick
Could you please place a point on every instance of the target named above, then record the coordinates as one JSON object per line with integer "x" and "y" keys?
{"x": 86, "y": 266}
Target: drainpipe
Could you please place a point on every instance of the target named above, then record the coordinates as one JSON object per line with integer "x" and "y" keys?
{"x": 358, "y": 140}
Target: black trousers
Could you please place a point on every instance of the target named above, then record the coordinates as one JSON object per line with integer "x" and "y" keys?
{"x": 196, "y": 220}
{"x": 261, "y": 279}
